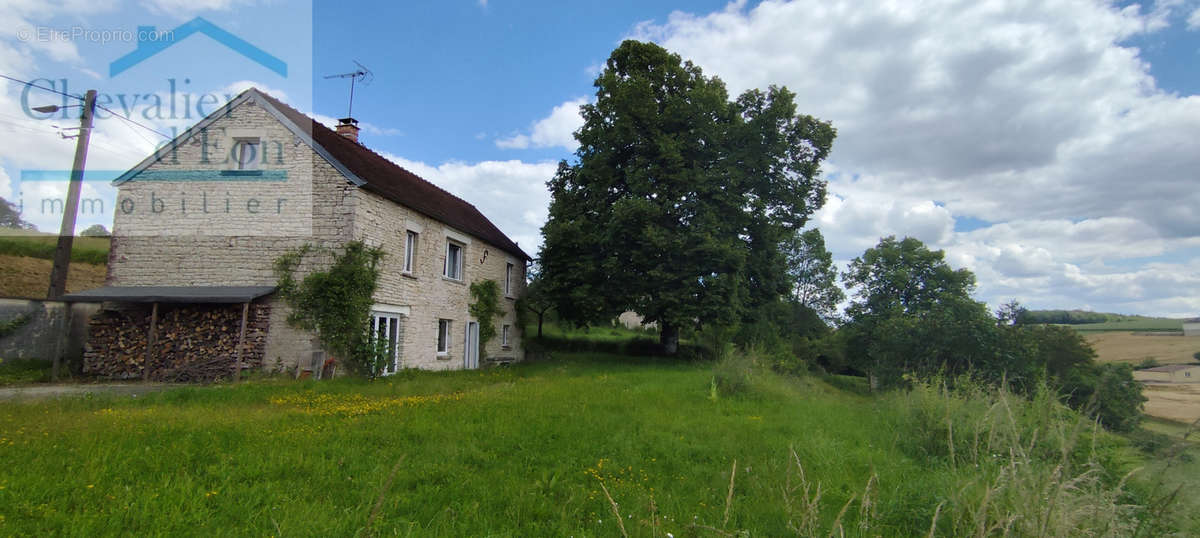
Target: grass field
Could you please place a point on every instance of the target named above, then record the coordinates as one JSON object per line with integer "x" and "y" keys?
{"x": 22, "y": 276}
{"x": 1140, "y": 324}
{"x": 1136, "y": 347}
{"x": 548, "y": 449}
{"x": 34, "y": 244}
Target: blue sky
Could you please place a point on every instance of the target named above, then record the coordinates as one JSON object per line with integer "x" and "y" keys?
{"x": 1047, "y": 145}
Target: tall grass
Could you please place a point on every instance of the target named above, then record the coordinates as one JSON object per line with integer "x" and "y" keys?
{"x": 557, "y": 448}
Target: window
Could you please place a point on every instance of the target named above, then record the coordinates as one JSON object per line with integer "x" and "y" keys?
{"x": 504, "y": 336}
{"x": 508, "y": 275}
{"x": 247, "y": 153}
{"x": 443, "y": 342}
{"x": 454, "y": 260}
{"x": 410, "y": 251}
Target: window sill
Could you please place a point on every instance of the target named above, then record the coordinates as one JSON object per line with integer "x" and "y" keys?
{"x": 506, "y": 348}
{"x": 408, "y": 275}
{"x": 510, "y": 297}
{"x": 443, "y": 356}
{"x": 454, "y": 280}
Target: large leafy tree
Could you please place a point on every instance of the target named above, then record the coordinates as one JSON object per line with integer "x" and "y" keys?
{"x": 913, "y": 313}
{"x": 813, "y": 276}
{"x": 680, "y": 199}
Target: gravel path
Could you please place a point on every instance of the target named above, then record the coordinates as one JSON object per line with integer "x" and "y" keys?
{"x": 38, "y": 392}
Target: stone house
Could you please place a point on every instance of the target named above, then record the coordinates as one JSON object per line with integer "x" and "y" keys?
{"x": 207, "y": 215}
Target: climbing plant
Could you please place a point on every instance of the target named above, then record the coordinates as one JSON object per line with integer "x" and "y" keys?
{"x": 486, "y": 308}
{"x": 335, "y": 303}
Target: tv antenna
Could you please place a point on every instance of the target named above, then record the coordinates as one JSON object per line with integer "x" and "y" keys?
{"x": 361, "y": 74}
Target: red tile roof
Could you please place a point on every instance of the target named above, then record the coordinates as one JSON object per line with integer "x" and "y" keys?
{"x": 393, "y": 182}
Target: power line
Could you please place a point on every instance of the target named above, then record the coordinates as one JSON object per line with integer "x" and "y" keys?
{"x": 51, "y": 90}
{"x": 101, "y": 107}
{"x": 130, "y": 120}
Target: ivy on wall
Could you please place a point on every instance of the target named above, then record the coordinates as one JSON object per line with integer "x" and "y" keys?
{"x": 335, "y": 303}
{"x": 485, "y": 309}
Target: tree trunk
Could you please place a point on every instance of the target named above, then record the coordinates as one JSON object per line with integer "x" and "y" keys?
{"x": 669, "y": 338}
{"x": 540, "y": 316}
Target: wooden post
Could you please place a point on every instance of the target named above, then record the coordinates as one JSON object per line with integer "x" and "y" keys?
{"x": 237, "y": 374}
{"x": 150, "y": 340}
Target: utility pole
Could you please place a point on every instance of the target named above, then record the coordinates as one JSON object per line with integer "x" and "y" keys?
{"x": 66, "y": 234}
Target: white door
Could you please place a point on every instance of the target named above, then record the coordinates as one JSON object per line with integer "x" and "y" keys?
{"x": 385, "y": 329}
{"x": 471, "y": 346}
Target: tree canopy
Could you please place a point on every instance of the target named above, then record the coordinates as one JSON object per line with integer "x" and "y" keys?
{"x": 680, "y": 200}
{"x": 811, "y": 270}
{"x": 10, "y": 217}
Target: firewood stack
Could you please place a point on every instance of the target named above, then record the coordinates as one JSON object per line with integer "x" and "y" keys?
{"x": 194, "y": 343}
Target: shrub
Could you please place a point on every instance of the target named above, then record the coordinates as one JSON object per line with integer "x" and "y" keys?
{"x": 335, "y": 303}
{"x": 16, "y": 371}
{"x": 1148, "y": 362}
{"x": 11, "y": 325}
{"x": 733, "y": 374}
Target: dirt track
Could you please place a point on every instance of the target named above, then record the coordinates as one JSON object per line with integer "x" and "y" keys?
{"x": 39, "y": 392}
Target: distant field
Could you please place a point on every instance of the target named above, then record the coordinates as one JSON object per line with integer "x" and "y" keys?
{"x": 22, "y": 276}
{"x": 93, "y": 250}
{"x": 1141, "y": 324}
{"x": 1134, "y": 347}
{"x": 1178, "y": 402}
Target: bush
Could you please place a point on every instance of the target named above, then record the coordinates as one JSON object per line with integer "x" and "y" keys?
{"x": 11, "y": 325}
{"x": 1148, "y": 362}
{"x": 733, "y": 374}
{"x": 20, "y": 371}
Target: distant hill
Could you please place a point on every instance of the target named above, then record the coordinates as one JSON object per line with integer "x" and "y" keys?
{"x": 1084, "y": 320}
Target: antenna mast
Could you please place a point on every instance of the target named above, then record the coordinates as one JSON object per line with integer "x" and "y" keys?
{"x": 363, "y": 74}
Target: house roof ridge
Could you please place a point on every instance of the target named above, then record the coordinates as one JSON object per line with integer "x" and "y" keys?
{"x": 389, "y": 180}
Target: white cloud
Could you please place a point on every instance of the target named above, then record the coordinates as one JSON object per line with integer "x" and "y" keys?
{"x": 511, "y": 193}
{"x": 187, "y": 8}
{"x": 369, "y": 128}
{"x": 1028, "y": 114}
{"x": 557, "y": 129}
{"x": 1193, "y": 20}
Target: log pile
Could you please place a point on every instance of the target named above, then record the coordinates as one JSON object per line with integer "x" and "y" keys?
{"x": 194, "y": 343}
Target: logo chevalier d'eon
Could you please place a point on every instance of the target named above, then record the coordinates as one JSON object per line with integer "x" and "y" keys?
{"x": 238, "y": 168}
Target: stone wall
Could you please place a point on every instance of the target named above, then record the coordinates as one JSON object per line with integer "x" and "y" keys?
{"x": 54, "y": 328}
{"x": 193, "y": 223}
{"x": 428, "y": 294}
{"x": 216, "y": 229}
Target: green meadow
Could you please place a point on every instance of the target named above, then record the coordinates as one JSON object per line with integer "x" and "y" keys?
{"x": 566, "y": 447}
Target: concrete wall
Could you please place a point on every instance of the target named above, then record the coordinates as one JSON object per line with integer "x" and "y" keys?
{"x": 54, "y": 329}
{"x": 1191, "y": 328}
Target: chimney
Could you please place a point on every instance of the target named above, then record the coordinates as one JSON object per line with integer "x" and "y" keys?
{"x": 348, "y": 127}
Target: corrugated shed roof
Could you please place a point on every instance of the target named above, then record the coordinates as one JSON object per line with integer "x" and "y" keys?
{"x": 170, "y": 294}
{"x": 397, "y": 184}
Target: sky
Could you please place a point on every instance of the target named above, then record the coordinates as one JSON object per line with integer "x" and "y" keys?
{"x": 1052, "y": 147}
